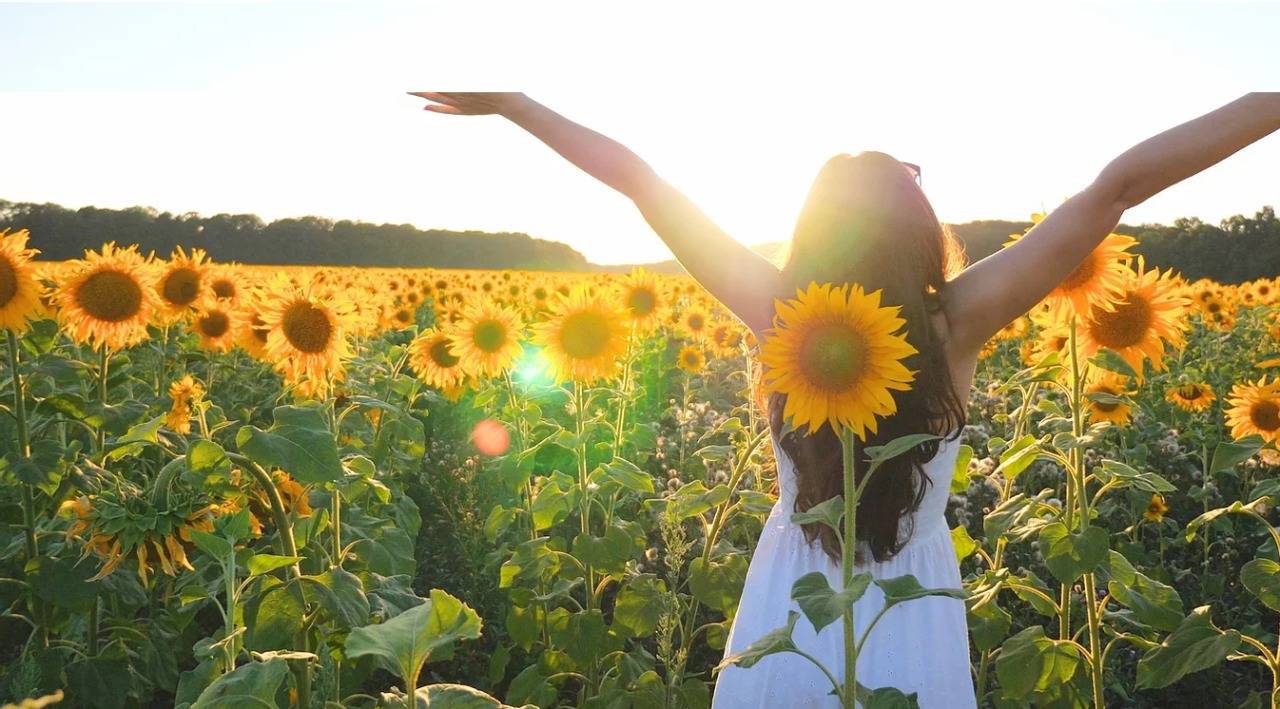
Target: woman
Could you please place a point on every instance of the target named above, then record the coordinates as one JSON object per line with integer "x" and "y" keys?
{"x": 867, "y": 221}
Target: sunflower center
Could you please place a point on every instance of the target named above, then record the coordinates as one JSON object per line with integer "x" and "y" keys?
{"x": 489, "y": 335}
{"x": 833, "y": 356}
{"x": 8, "y": 282}
{"x": 1191, "y": 392}
{"x": 1265, "y": 415}
{"x": 215, "y": 324}
{"x": 110, "y": 296}
{"x": 224, "y": 288}
{"x": 307, "y": 327}
{"x": 584, "y": 335}
{"x": 181, "y": 286}
{"x": 696, "y": 322}
{"x": 641, "y": 301}
{"x": 1124, "y": 327}
{"x": 441, "y": 355}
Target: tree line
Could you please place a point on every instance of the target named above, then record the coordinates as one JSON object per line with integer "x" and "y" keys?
{"x": 1237, "y": 249}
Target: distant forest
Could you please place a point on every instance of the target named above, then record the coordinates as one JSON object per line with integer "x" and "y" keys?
{"x": 1238, "y": 249}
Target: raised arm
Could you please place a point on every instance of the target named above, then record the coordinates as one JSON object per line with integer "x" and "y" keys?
{"x": 744, "y": 281}
{"x": 1001, "y": 287}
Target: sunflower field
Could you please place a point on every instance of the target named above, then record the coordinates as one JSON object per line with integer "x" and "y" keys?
{"x": 225, "y": 485}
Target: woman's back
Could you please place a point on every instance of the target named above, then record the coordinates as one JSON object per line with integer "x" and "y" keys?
{"x": 919, "y": 646}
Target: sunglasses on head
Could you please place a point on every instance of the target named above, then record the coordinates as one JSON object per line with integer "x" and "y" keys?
{"x": 915, "y": 171}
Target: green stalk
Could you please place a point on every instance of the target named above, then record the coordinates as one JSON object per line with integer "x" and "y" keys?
{"x": 585, "y": 517}
{"x": 1078, "y": 474}
{"x": 102, "y": 396}
{"x": 32, "y": 548}
{"x": 850, "y": 445}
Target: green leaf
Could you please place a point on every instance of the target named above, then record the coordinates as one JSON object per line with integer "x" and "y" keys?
{"x": 640, "y": 605}
{"x": 823, "y": 605}
{"x": 99, "y": 682}
{"x": 406, "y": 642}
{"x": 988, "y": 624}
{"x": 694, "y": 498}
{"x": 1152, "y": 602}
{"x": 771, "y": 643}
{"x": 1111, "y": 361}
{"x": 273, "y": 615}
{"x": 251, "y": 685}
{"x": 1030, "y": 662}
{"x": 1234, "y": 508}
{"x": 1197, "y": 644}
{"x": 1262, "y": 578}
{"x": 532, "y": 560}
{"x": 211, "y": 544}
{"x": 259, "y": 564}
{"x": 299, "y": 442}
{"x": 886, "y": 698}
{"x": 879, "y": 455}
{"x": 609, "y": 553}
{"x": 1018, "y": 457}
{"x": 964, "y": 544}
{"x": 828, "y": 512}
{"x": 960, "y": 471}
{"x": 1069, "y": 555}
{"x": 1129, "y": 477}
{"x": 623, "y": 473}
{"x": 718, "y": 583}
{"x": 901, "y": 589}
{"x": 342, "y": 595}
{"x": 1228, "y": 454}
{"x": 138, "y": 437}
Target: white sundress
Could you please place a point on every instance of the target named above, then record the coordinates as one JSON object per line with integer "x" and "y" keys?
{"x": 918, "y": 646}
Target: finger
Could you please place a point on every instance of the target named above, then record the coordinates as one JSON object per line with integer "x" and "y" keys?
{"x": 435, "y": 96}
{"x": 437, "y": 108}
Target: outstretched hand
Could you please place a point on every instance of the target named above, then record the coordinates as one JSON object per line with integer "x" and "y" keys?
{"x": 469, "y": 103}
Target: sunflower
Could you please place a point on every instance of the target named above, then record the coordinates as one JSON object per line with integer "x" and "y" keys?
{"x": 227, "y": 285}
{"x": 1146, "y": 314}
{"x": 1255, "y": 409}
{"x": 1097, "y": 278}
{"x": 486, "y": 338}
{"x": 19, "y": 283}
{"x": 641, "y": 299}
{"x": 184, "y": 283}
{"x": 836, "y": 357}
{"x": 691, "y": 359}
{"x": 186, "y": 393}
{"x": 108, "y": 298}
{"x": 584, "y": 336}
{"x": 217, "y": 326}
{"x": 725, "y": 338}
{"x": 1108, "y": 402}
{"x": 432, "y": 359}
{"x": 306, "y": 337}
{"x": 694, "y": 322}
{"x": 1156, "y": 508}
{"x": 1192, "y": 396}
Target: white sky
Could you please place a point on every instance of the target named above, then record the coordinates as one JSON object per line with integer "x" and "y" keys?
{"x": 286, "y": 109}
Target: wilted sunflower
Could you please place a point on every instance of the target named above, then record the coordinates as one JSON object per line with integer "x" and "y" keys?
{"x": 1136, "y": 325}
{"x": 19, "y": 283}
{"x": 1098, "y": 277}
{"x": 306, "y": 337}
{"x": 486, "y": 338}
{"x": 1156, "y": 508}
{"x": 584, "y": 336}
{"x": 1255, "y": 409}
{"x": 185, "y": 393}
{"x": 836, "y": 357}
{"x": 432, "y": 359}
{"x": 1192, "y": 396}
{"x": 120, "y": 526}
{"x": 184, "y": 283}
{"x": 641, "y": 299}
{"x": 691, "y": 359}
{"x": 1108, "y": 402}
{"x": 217, "y": 326}
{"x": 108, "y": 298}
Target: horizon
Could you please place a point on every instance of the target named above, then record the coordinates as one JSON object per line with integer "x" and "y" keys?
{"x": 308, "y": 117}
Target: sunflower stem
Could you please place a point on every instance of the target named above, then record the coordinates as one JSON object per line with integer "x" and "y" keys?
{"x": 849, "y": 444}
{"x": 102, "y": 397}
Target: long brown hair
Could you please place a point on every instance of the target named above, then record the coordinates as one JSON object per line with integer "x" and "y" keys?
{"x": 866, "y": 221}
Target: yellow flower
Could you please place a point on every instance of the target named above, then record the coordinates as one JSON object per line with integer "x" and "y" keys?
{"x": 185, "y": 393}
{"x": 584, "y": 337}
{"x": 108, "y": 299}
{"x": 19, "y": 282}
{"x": 486, "y": 338}
{"x": 1192, "y": 396}
{"x": 183, "y": 283}
{"x": 1255, "y": 409}
{"x": 641, "y": 299}
{"x": 695, "y": 321}
{"x": 836, "y": 357}
{"x": 1098, "y": 277}
{"x": 1146, "y": 314}
{"x": 216, "y": 325}
{"x": 1156, "y": 508}
{"x": 306, "y": 337}
{"x": 1106, "y": 407}
{"x": 691, "y": 359}
{"x": 432, "y": 358}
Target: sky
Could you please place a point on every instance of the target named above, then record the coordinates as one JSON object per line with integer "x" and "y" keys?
{"x": 287, "y": 108}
